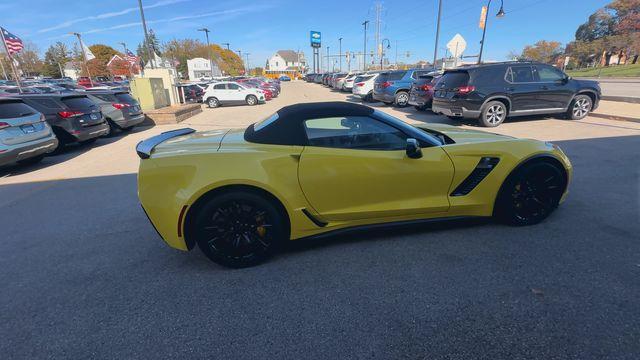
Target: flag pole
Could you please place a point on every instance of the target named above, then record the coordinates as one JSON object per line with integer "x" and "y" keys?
{"x": 84, "y": 57}
{"x": 15, "y": 72}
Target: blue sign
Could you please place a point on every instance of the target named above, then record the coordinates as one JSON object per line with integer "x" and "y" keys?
{"x": 316, "y": 39}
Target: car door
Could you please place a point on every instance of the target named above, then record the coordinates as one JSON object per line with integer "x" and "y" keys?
{"x": 236, "y": 92}
{"x": 357, "y": 168}
{"x": 522, "y": 89}
{"x": 555, "y": 92}
{"x": 219, "y": 91}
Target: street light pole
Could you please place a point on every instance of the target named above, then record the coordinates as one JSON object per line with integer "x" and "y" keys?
{"x": 328, "y": 61}
{"x": 124, "y": 46}
{"x": 340, "y": 51}
{"x": 435, "y": 49}
{"x": 364, "y": 52}
{"x": 486, "y": 21}
{"x": 382, "y": 50}
{"x": 227, "y": 44}
{"x": 146, "y": 35}
{"x": 206, "y": 32}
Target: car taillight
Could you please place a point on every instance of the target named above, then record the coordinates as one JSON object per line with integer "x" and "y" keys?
{"x": 426, "y": 87}
{"x": 68, "y": 114}
{"x": 466, "y": 89}
{"x": 120, "y": 106}
{"x": 386, "y": 84}
{"x": 4, "y": 125}
{"x": 360, "y": 84}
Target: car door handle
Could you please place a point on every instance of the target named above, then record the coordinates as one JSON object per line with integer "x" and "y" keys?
{"x": 544, "y": 87}
{"x": 510, "y": 89}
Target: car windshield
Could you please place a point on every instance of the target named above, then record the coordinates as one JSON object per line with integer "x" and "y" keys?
{"x": 265, "y": 122}
{"x": 14, "y": 109}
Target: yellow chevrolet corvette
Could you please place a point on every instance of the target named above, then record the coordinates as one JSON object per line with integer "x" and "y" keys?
{"x": 319, "y": 168}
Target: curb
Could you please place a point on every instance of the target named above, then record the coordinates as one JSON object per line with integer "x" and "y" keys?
{"x": 627, "y": 99}
{"x": 615, "y": 117}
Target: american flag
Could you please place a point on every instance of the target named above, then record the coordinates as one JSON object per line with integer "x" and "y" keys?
{"x": 13, "y": 43}
{"x": 132, "y": 59}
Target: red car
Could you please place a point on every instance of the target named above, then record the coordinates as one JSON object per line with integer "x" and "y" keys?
{"x": 268, "y": 94}
{"x": 85, "y": 82}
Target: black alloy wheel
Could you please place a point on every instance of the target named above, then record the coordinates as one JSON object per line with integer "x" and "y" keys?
{"x": 531, "y": 194}
{"x": 238, "y": 229}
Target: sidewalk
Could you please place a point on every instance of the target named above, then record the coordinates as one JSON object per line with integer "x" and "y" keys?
{"x": 615, "y": 110}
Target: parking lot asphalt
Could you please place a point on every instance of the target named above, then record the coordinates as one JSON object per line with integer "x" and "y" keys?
{"x": 84, "y": 275}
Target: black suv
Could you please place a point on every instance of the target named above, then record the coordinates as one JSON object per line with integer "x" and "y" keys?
{"x": 73, "y": 117}
{"x": 492, "y": 92}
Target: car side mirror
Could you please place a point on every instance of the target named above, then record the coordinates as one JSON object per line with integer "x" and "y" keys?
{"x": 413, "y": 149}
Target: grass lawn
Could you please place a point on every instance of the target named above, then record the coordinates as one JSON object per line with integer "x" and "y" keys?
{"x": 611, "y": 71}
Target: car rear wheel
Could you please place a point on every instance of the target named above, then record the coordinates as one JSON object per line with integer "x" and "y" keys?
{"x": 530, "y": 195}
{"x": 238, "y": 229}
{"x": 493, "y": 114}
{"x": 402, "y": 99}
{"x": 251, "y": 100}
{"x": 213, "y": 102}
{"x": 580, "y": 107}
{"x": 369, "y": 97}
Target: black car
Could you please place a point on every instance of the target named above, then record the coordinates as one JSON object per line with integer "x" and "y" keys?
{"x": 73, "y": 117}
{"x": 421, "y": 92}
{"x": 191, "y": 92}
{"x": 493, "y": 92}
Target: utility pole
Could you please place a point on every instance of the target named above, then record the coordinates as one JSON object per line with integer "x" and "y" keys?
{"x": 328, "y": 61}
{"x": 378, "y": 28}
{"x": 340, "y": 51}
{"x": 206, "y": 32}
{"x": 364, "y": 52}
{"x": 227, "y": 44}
{"x": 146, "y": 36}
{"x": 435, "y": 50}
{"x": 247, "y": 63}
{"x": 84, "y": 57}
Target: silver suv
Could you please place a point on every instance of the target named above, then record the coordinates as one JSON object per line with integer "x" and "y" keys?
{"x": 25, "y": 136}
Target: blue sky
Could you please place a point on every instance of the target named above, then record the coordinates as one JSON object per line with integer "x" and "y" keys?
{"x": 262, "y": 27}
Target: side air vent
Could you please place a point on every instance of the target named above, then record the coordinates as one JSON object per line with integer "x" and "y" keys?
{"x": 313, "y": 219}
{"x": 478, "y": 174}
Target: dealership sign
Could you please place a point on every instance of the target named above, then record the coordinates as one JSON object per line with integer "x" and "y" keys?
{"x": 316, "y": 39}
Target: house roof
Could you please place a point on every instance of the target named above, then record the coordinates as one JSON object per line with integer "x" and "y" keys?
{"x": 288, "y": 55}
{"x": 113, "y": 58}
{"x": 72, "y": 65}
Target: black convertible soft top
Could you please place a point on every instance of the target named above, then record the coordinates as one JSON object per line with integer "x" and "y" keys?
{"x": 288, "y": 128}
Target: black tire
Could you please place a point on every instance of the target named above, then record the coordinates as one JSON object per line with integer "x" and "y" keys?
{"x": 369, "y": 97}
{"x": 493, "y": 114}
{"x": 580, "y": 107}
{"x": 251, "y": 100}
{"x": 213, "y": 102}
{"x": 89, "y": 141}
{"x": 401, "y": 99}
{"x": 249, "y": 228}
{"x": 530, "y": 194}
{"x": 113, "y": 128}
{"x": 32, "y": 161}
{"x": 388, "y": 103}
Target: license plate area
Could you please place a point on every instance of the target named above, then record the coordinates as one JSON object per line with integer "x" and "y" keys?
{"x": 28, "y": 129}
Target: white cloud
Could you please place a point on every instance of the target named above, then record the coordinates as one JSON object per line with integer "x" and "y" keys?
{"x": 109, "y": 15}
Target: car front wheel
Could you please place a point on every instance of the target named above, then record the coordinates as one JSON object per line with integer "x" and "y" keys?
{"x": 493, "y": 114}
{"x": 238, "y": 229}
{"x": 252, "y": 100}
{"x": 402, "y": 99}
{"x": 580, "y": 107}
{"x": 213, "y": 102}
{"x": 530, "y": 195}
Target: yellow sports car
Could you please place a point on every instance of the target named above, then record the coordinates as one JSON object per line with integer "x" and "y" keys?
{"x": 312, "y": 169}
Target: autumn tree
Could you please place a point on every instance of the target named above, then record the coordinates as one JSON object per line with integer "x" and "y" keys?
{"x": 98, "y": 66}
{"x": 29, "y": 59}
{"x": 181, "y": 50}
{"x": 626, "y": 15}
{"x": 543, "y": 51}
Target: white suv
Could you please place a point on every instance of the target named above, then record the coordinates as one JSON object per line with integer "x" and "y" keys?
{"x": 363, "y": 86}
{"x": 229, "y": 92}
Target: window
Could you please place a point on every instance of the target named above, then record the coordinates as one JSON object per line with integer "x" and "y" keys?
{"x": 521, "y": 74}
{"x": 126, "y": 98}
{"x": 78, "y": 103}
{"x": 220, "y": 87}
{"x": 354, "y": 132}
{"x": 549, "y": 74}
{"x": 108, "y": 98}
{"x": 453, "y": 79}
{"x": 417, "y": 74}
{"x": 232, "y": 86}
{"x": 396, "y": 75}
{"x": 14, "y": 109}
{"x": 46, "y": 103}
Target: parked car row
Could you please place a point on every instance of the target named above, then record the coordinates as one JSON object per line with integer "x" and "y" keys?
{"x": 489, "y": 93}
{"x": 35, "y": 124}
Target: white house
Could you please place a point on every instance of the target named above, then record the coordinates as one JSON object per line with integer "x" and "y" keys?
{"x": 72, "y": 70}
{"x": 284, "y": 60}
{"x": 200, "y": 67}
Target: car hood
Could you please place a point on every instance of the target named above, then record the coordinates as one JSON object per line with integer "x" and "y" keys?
{"x": 460, "y": 135}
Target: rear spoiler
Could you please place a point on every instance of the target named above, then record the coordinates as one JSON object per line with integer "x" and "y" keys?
{"x": 145, "y": 147}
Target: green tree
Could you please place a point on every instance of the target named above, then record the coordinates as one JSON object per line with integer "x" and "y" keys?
{"x": 152, "y": 44}
{"x": 29, "y": 59}
{"x": 55, "y": 58}
{"x": 181, "y": 50}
